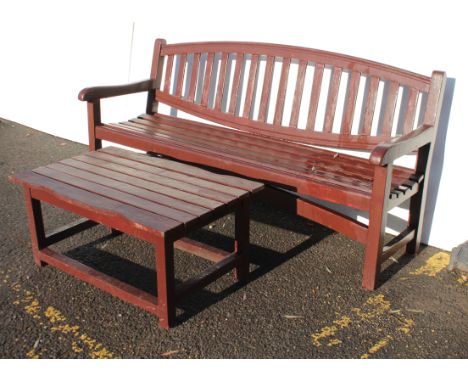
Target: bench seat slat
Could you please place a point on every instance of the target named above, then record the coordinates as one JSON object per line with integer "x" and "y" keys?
{"x": 292, "y": 152}
{"x": 350, "y": 174}
{"x": 246, "y": 154}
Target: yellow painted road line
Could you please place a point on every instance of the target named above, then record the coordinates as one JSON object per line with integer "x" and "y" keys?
{"x": 434, "y": 265}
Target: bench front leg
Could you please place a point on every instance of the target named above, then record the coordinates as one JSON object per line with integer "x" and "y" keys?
{"x": 377, "y": 223}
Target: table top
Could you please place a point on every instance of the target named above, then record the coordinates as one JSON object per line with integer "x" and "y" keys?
{"x": 157, "y": 193}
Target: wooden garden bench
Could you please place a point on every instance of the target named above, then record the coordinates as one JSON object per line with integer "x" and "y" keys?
{"x": 269, "y": 99}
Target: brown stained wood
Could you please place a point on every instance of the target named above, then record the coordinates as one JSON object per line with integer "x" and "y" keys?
{"x": 301, "y": 72}
{"x": 173, "y": 203}
{"x": 236, "y": 83}
{"x": 120, "y": 196}
{"x": 211, "y": 274}
{"x": 143, "y": 183}
{"x": 332, "y": 219}
{"x": 94, "y": 119}
{"x": 370, "y": 105}
{"x": 67, "y": 230}
{"x": 367, "y": 67}
{"x": 288, "y": 160}
{"x": 314, "y": 97}
{"x": 332, "y": 100}
{"x": 350, "y": 102}
{"x": 362, "y": 142}
{"x": 194, "y": 77}
{"x": 164, "y": 252}
{"x": 266, "y": 89}
{"x": 251, "y": 156}
{"x": 154, "y": 178}
{"x": 377, "y": 223}
{"x": 233, "y": 164}
{"x": 227, "y": 180}
{"x": 181, "y": 75}
{"x": 207, "y": 79}
{"x": 123, "y": 217}
{"x": 168, "y": 76}
{"x": 100, "y": 280}
{"x": 180, "y": 177}
{"x": 200, "y": 249}
{"x": 248, "y": 104}
{"x": 221, "y": 81}
{"x": 356, "y": 167}
{"x": 389, "y": 113}
{"x": 156, "y": 75}
{"x": 261, "y": 150}
{"x": 283, "y": 83}
{"x": 410, "y": 114}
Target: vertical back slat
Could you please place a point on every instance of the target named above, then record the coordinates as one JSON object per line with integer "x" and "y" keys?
{"x": 193, "y": 80}
{"x": 207, "y": 79}
{"x": 221, "y": 81}
{"x": 167, "y": 79}
{"x": 180, "y": 75}
{"x": 236, "y": 82}
{"x": 250, "y": 86}
{"x": 390, "y": 109}
{"x": 298, "y": 94}
{"x": 315, "y": 96}
{"x": 350, "y": 103}
{"x": 266, "y": 89}
{"x": 283, "y": 84}
{"x": 332, "y": 99}
{"x": 370, "y": 105}
{"x": 410, "y": 110}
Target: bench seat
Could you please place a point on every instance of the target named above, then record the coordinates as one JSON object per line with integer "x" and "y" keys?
{"x": 311, "y": 170}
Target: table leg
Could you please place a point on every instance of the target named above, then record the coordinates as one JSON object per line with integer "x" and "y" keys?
{"x": 241, "y": 243}
{"x": 36, "y": 225}
{"x": 165, "y": 275}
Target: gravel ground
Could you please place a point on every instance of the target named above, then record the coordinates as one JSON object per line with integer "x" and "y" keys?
{"x": 303, "y": 299}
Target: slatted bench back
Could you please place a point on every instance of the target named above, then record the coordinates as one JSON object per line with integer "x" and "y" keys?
{"x": 293, "y": 93}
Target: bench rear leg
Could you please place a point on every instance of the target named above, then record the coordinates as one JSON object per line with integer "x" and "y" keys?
{"x": 36, "y": 225}
{"x": 417, "y": 202}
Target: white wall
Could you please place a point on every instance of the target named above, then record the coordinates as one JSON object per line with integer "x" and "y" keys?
{"x": 50, "y": 50}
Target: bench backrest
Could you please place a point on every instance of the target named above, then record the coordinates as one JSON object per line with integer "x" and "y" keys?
{"x": 303, "y": 95}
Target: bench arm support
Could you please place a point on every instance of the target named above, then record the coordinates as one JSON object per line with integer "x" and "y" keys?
{"x": 385, "y": 153}
{"x": 98, "y": 92}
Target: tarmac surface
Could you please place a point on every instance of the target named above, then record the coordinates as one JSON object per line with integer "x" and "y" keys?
{"x": 303, "y": 298}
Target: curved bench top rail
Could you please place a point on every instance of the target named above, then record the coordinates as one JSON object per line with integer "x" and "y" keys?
{"x": 366, "y": 67}
{"x": 304, "y": 95}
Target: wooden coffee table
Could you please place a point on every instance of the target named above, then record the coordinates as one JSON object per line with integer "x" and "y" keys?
{"x": 150, "y": 198}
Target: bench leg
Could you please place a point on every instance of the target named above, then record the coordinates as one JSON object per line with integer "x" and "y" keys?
{"x": 165, "y": 276}
{"x": 241, "y": 243}
{"x": 36, "y": 226}
{"x": 417, "y": 202}
{"x": 377, "y": 223}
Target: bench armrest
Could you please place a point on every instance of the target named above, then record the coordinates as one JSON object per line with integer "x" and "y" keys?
{"x": 387, "y": 152}
{"x": 98, "y": 92}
